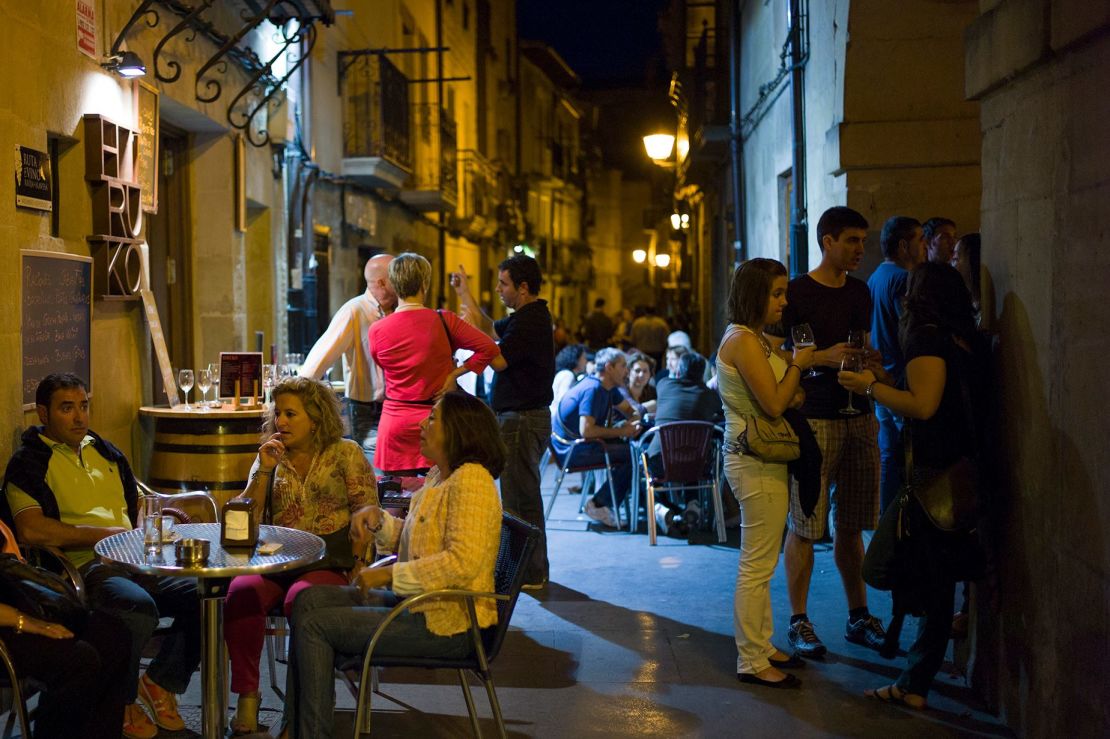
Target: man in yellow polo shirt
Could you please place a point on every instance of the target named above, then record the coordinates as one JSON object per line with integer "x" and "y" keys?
{"x": 67, "y": 487}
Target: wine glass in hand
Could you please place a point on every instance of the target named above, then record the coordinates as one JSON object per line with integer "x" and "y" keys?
{"x": 802, "y": 336}
{"x": 851, "y": 363}
{"x": 185, "y": 382}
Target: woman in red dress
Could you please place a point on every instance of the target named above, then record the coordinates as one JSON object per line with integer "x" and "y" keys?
{"x": 414, "y": 347}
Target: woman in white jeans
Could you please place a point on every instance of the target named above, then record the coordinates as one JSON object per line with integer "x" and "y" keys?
{"x": 755, "y": 378}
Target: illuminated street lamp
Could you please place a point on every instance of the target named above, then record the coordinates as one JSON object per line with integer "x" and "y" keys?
{"x": 639, "y": 256}
{"x": 663, "y": 260}
{"x": 676, "y": 221}
{"x": 659, "y": 146}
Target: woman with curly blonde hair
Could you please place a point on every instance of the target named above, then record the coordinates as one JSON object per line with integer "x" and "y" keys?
{"x": 306, "y": 477}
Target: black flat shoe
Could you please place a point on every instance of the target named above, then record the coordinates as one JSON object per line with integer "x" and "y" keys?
{"x": 790, "y": 681}
{"x": 793, "y": 662}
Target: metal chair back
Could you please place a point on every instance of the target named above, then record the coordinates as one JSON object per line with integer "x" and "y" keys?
{"x": 686, "y": 449}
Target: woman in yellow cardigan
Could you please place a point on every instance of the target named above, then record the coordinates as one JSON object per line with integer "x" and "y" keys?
{"x": 449, "y": 539}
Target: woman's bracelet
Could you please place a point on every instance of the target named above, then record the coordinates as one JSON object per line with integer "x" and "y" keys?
{"x": 795, "y": 366}
{"x": 261, "y": 473}
{"x": 871, "y": 389}
{"x": 19, "y": 624}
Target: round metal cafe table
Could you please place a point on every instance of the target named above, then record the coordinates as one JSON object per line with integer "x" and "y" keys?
{"x": 298, "y": 548}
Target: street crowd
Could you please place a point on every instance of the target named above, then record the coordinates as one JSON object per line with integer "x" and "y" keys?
{"x": 857, "y": 373}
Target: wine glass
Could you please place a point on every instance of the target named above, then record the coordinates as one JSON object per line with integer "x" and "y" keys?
{"x": 214, "y": 373}
{"x": 802, "y": 335}
{"x": 851, "y": 363}
{"x": 185, "y": 382}
{"x": 204, "y": 381}
{"x": 268, "y": 377}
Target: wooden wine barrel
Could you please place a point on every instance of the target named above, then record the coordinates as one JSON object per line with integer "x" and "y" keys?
{"x": 196, "y": 450}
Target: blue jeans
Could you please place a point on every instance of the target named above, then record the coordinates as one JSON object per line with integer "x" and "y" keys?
{"x": 525, "y": 434}
{"x": 139, "y": 601}
{"x": 620, "y": 459}
{"x": 329, "y": 620}
{"x": 364, "y": 418}
{"x": 891, "y": 455}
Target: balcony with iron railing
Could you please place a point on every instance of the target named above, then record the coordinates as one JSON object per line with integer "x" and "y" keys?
{"x": 434, "y": 184}
{"x": 377, "y": 142}
{"x": 479, "y": 194}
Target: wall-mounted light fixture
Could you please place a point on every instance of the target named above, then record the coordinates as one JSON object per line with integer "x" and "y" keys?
{"x": 676, "y": 221}
{"x": 663, "y": 260}
{"x": 125, "y": 64}
{"x": 639, "y": 256}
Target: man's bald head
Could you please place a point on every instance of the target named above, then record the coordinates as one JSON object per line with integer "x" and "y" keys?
{"x": 377, "y": 281}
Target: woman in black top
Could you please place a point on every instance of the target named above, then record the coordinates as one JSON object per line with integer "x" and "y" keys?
{"x": 937, "y": 334}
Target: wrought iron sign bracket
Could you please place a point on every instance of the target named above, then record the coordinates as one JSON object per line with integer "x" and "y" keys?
{"x": 344, "y": 59}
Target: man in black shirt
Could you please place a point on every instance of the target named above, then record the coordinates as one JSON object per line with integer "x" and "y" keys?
{"x": 834, "y": 304}
{"x": 521, "y": 393}
{"x": 597, "y": 328}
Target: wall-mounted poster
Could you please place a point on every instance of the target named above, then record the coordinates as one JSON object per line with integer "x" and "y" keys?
{"x": 86, "y": 28}
{"x": 146, "y": 166}
{"x": 32, "y": 179}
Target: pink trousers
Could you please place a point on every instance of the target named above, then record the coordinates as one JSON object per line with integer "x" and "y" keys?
{"x": 250, "y": 598}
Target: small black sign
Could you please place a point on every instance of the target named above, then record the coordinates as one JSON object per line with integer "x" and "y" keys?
{"x": 32, "y": 179}
{"x": 246, "y": 367}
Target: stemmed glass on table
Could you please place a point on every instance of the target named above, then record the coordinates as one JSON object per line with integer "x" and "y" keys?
{"x": 204, "y": 382}
{"x": 802, "y": 336}
{"x": 268, "y": 380}
{"x": 214, "y": 373}
{"x": 852, "y": 363}
{"x": 185, "y": 382}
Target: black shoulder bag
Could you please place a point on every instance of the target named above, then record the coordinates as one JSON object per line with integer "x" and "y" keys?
{"x": 40, "y": 593}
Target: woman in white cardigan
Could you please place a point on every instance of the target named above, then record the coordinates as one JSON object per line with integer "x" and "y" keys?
{"x": 449, "y": 539}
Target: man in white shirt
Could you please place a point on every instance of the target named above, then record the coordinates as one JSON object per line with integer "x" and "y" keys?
{"x": 348, "y": 335}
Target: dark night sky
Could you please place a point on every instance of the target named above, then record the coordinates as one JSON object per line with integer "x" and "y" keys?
{"x": 606, "y": 42}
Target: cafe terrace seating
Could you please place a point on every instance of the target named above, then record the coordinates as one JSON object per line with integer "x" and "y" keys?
{"x": 517, "y": 541}
{"x": 687, "y": 449}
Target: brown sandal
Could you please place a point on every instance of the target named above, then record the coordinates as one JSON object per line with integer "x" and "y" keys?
{"x": 897, "y": 696}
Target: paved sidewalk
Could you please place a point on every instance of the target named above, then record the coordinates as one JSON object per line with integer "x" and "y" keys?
{"x": 631, "y": 640}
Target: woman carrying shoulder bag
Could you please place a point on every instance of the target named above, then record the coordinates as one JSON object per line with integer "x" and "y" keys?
{"x": 754, "y": 379}
{"x": 938, "y": 337}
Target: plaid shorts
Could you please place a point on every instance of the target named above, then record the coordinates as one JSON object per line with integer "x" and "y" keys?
{"x": 850, "y": 467}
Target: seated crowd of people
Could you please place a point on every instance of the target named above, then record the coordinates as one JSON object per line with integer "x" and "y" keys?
{"x": 67, "y": 487}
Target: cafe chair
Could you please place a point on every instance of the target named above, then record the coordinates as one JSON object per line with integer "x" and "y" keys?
{"x": 192, "y": 506}
{"x": 687, "y": 449}
{"x": 518, "y": 539}
{"x": 14, "y": 694}
{"x": 567, "y": 466}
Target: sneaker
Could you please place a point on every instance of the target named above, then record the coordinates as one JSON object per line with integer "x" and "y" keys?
{"x": 161, "y": 703}
{"x": 803, "y": 640}
{"x": 867, "y": 632}
{"x": 601, "y": 514}
{"x": 136, "y": 724}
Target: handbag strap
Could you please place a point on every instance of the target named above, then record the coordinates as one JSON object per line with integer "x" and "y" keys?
{"x": 443, "y": 322}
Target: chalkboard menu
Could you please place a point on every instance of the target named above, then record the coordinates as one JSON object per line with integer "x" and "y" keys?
{"x": 57, "y": 317}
